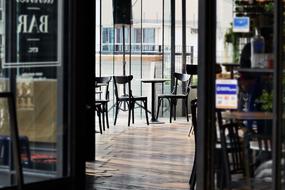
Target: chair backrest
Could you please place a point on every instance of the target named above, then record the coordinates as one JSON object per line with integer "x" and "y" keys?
{"x": 192, "y": 69}
{"x": 232, "y": 148}
{"x": 104, "y": 80}
{"x": 264, "y": 142}
{"x": 123, "y": 80}
{"x": 182, "y": 78}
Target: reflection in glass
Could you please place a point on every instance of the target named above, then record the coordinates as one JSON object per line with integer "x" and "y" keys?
{"x": 243, "y": 146}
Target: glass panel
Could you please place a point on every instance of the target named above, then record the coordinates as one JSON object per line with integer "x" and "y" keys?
{"x": 166, "y": 69}
{"x": 152, "y": 46}
{"x": 32, "y": 68}
{"x": 283, "y": 108}
{"x": 98, "y": 35}
{"x": 244, "y": 99}
{"x": 6, "y": 164}
{"x": 178, "y": 36}
{"x": 136, "y": 59}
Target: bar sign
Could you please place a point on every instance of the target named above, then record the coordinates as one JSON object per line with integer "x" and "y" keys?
{"x": 226, "y": 94}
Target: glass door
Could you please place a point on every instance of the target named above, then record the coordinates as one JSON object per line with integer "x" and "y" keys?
{"x": 244, "y": 94}
{"x": 240, "y": 119}
{"x": 32, "y": 67}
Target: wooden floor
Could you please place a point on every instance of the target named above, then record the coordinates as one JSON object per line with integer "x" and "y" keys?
{"x": 155, "y": 157}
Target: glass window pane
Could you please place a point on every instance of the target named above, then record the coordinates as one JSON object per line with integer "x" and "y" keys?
{"x": 32, "y": 68}
{"x": 244, "y": 53}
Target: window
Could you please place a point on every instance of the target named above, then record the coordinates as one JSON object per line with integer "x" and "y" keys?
{"x": 138, "y": 35}
{"x": 149, "y": 35}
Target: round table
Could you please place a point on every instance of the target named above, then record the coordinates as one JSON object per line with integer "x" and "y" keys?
{"x": 153, "y": 82}
{"x": 247, "y": 115}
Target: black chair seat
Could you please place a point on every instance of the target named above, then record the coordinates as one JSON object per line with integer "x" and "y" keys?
{"x": 172, "y": 95}
{"x": 135, "y": 98}
{"x": 142, "y": 98}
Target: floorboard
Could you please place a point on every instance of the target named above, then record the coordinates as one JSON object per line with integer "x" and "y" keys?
{"x": 155, "y": 157}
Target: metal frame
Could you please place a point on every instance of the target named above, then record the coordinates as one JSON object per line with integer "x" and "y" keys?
{"x": 277, "y": 95}
{"x": 14, "y": 133}
{"x": 206, "y": 94}
{"x": 172, "y": 68}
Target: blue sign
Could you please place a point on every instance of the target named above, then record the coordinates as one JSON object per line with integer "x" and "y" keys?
{"x": 226, "y": 89}
{"x": 226, "y": 94}
{"x": 241, "y": 24}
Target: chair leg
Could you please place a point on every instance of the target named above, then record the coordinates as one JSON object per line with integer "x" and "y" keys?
{"x": 158, "y": 106}
{"x": 146, "y": 114}
{"x": 174, "y": 109}
{"x": 133, "y": 113}
{"x": 100, "y": 123}
{"x": 192, "y": 180}
{"x": 116, "y": 114}
{"x": 170, "y": 111}
{"x": 130, "y": 113}
{"x": 187, "y": 116}
{"x": 107, "y": 117}
{"x": 103, "y": 117}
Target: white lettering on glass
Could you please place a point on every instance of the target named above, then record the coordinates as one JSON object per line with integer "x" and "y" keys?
{"x": 25, "y": 26}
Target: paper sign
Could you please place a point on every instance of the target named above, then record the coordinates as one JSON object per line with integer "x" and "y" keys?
{"x": 226, "y": 94}
{"x": 241, "y": 24}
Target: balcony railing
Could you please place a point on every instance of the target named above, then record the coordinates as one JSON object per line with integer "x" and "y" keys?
{"x": 110, "y": 48}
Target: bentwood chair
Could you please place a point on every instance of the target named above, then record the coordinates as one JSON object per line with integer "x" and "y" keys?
{"x": 101, "y": 103}
{"x": 231, "y": 154}
{"x": 127, "y": 99}
{"x": 173, "y": 97}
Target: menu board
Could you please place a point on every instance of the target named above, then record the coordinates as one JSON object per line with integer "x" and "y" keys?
{"x": 226, "y": 94}
{"x": 33, "y": 30}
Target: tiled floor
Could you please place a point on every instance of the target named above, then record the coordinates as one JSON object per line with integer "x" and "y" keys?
{"x": 155, "y": 157}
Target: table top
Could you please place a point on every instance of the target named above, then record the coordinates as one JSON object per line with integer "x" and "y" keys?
{"x": 154, "y": 80}
{"x": 255, "y": 70}
{"x": 230, "y": 64}
{"x": 247, "y": 115}
{"x": 100, "y": 84}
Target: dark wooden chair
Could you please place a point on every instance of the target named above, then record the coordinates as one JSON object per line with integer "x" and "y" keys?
{"x": 174, "y": 96}
{"x": 127, "y": 98}
{"x": 233, "y": 157}
{"x": 101, "y": 103}
{"x": 260, "y": 146}
{"x": 192, "y": 70}
{"x": 194, "y": 107}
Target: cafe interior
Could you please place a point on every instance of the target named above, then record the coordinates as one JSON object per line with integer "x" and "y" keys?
{"x": 188, "y": 98}
{"x": 167, "y": 95}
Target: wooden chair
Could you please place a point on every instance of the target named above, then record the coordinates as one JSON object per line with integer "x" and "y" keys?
{"x": 101, "y": 103}
{"x": 194, "y": 107}
{"x": 127, "y": 98}
{"x": 173, "y": 97}
{"x": 234, "y": 159}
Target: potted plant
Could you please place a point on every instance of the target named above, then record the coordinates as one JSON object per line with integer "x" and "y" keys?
{"x": 232, "y": 38}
